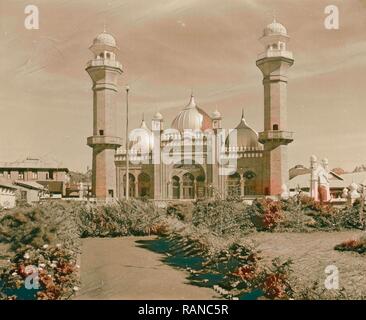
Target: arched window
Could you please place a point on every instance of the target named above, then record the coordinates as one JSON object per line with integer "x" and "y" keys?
{"x": 275, "y": 127}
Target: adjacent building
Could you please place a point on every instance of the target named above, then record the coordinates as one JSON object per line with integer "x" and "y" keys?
{"x": 49, "y": 174}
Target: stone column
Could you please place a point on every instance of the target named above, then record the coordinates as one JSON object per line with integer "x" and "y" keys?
{"x": 241, "y": 186}
{"x": 195, "y": 189}
{"x": 136, "y": 187}
{"x": 180, "y": 189}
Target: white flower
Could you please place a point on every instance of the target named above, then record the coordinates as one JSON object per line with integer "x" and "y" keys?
{"x": 53, "y": 265}
{"x": 77, "y": 266}
{"x": 45, "y": 246}
{"x": 75, "y": 288}
{"x": 42, "y": 265}
{"x": 26, "y": 256}
{"x": 235, "y": 298}
{"x": 58, "y": 245}
{"x": 14, "y": 274}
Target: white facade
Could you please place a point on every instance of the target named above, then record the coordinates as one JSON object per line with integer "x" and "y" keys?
{"x": 7, "y": 197}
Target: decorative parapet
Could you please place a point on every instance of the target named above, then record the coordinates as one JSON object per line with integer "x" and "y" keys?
{"x": 104, "y": 63}
{"x": 276, "y": 53}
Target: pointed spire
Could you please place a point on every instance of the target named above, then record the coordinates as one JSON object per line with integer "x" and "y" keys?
{"x": 143, "y": 123}
{"x": 242, "y": 120}
{"x": 192, "y": 102}
{"x": 274, "y": 16}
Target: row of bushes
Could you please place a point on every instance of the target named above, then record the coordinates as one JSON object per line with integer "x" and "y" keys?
{"x": 239, "y": 269}
{"x": 60, "y": 225}
{"x": 293, "y": 215}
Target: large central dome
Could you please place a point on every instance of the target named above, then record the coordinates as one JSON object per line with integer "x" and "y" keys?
{"x": 192, "y": 117}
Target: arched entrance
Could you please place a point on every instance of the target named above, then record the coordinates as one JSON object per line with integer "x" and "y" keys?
{"x": 233, "y": 185}
{"x": 188, "y": 186}
{"x": 201, "y": 187}
{"x": 176, "y": 187}
{"x": 144, "y": 185}
{"x": 131, "y": 185}
{"x": 188, "y": 181}
{"x": 250, "y": 183}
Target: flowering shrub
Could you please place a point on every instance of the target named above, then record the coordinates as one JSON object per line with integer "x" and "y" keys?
{"x": 45, "y": 273}
{"x": 353, "y": 245}
{"x": 266, "y": 214}
{"x": 275, "y": 281}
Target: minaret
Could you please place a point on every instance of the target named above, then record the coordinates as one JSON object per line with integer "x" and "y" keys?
{"x": 104, "y": 70}
{"x": 274, "y": 63}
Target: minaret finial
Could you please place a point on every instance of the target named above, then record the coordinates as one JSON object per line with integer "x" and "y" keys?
{"x": 242, "y": 113}
{"x": 104, "y": 27}
{"x": 191, "y": 92}
{"x": 274, "y": 15}
{"x": 143, "y": 116}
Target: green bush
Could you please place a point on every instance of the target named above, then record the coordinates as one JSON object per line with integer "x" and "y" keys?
{"x": 49, "y": 223}
{"x": 132, "y": 217}
{"x": 222, "y": 217}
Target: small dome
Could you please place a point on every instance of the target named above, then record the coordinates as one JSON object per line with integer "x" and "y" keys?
{"x": 158, "y": 116}
{"x": 105, "y": 39}
{"x": 274, "y": 28}
{"x": 246, "y": 136}
{"x": 143, "y": 137}
{"x": 216, "y": 115}
{"x": 192, "y": 117}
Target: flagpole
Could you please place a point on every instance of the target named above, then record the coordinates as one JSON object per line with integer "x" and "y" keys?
{"x": 127, "y": 149}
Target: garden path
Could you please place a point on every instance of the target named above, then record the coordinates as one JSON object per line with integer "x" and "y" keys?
{"x": 118, "y": 268}
{"x": 312, "y": 252}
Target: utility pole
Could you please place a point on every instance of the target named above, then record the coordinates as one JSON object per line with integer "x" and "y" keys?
{"x": 127, "y": 149}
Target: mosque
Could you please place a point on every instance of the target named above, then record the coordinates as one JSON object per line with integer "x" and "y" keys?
{"x": 255, "y": 164}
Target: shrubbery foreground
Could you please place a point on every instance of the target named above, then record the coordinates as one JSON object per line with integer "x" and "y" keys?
{"x": 47, "y": 237}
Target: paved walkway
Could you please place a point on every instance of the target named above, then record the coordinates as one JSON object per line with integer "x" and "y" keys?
{"x": 118, "y": 268}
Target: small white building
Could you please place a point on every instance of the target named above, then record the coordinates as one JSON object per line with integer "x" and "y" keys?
{"x": 7, "y": 195}
{"x": 29, "y": 191}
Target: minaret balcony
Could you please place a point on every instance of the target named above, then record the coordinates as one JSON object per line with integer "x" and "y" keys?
{"x": 104, "y": 63}
{"x": 278, "y": 137}
{"x": 276, "y": 53}
{"x": 104, "y": 140}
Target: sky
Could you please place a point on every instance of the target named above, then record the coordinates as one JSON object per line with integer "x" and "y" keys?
{"x": 169, "y": 48}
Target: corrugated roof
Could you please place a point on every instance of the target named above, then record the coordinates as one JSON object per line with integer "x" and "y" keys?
{"x": 31, "y": 163}
{"x": 30, "y": 184}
